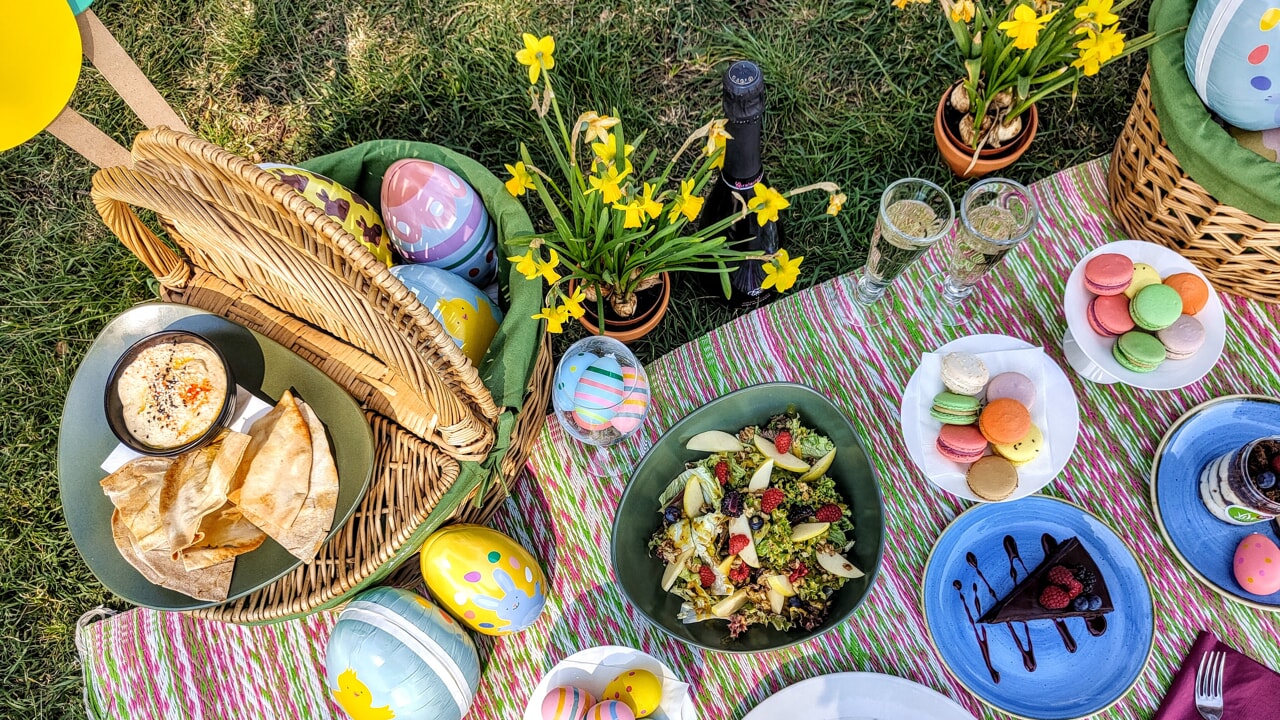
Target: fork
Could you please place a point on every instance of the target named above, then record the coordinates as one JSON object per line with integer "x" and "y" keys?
{"x": 1209, "y": 685}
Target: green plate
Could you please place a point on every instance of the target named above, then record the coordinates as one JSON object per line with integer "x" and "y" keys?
{"x": 640, "y": 575}
{"x": 261, "y": 366}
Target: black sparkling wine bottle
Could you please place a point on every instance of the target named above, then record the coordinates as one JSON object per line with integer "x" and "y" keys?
{"x": 742, "y": 171}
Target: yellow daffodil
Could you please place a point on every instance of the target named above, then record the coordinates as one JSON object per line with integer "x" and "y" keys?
{"x": 526, "y": 265}
{"x": 900, "y": 4}
{"x": 597, "y": 125}
{"x": 608, "y": 184}
{"x": 716, "y": 137}
{"x": 1025, "y": 27}
{"x": 555, "y": 318}
{"x": 651, "y": 207}
{"x": 548, "y": 269}
{"x": 520, "y": 180}
{"x": 634, "y": 213}
{"x": 573, "y": 303}
{"x": 538, "y": 54}
{"x": 781, "y": 273}
{"x": 607, "y": 151}
{"x": 766, "y": 203}
{"x": 963, "y": 11}
{"x": 1098, "y": 48}
{"x": 1097, "y": 12}
{"x": 836, "y": 204}
{"x": 687, "y": 204}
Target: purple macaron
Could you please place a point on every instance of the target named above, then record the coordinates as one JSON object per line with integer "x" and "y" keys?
{"x": 1183, "y": 338}
{"x": 1014, "y": 386}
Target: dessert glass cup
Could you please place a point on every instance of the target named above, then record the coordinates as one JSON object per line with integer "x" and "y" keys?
{"x": 1230, "y": 491}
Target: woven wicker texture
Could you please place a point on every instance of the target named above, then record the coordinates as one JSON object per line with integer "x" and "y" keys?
{"x": 246, "y": 227}
{"x": 1153, "y": 199}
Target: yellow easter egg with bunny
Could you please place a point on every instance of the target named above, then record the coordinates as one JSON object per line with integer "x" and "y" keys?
{"x": 484, "y": 578}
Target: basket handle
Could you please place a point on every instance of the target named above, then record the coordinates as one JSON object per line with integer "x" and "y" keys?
{"x": 111, "y": 183}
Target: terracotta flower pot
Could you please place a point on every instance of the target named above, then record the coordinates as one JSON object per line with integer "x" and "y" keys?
{"x": 636, "y": 326}
{"x": 958, "y": 155}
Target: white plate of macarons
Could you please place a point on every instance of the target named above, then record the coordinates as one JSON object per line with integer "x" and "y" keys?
{"x": 1017, "y": 374}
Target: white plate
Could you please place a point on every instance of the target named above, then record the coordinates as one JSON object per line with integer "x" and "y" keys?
{"x": 858, "y": 696}
{"x": 1060, "y": 427}
{"x": 1101, "y": 366}
{"x": 593, "y": 668}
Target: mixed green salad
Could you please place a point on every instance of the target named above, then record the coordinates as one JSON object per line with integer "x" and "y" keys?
{"x": 755, "y": 533}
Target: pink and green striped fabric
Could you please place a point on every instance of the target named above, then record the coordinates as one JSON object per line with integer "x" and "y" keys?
{"x": 143, "y": 664}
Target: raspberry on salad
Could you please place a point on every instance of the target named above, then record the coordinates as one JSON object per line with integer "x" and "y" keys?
{"x": 798, "y": 573}
{"x": 706, "y": 576}
{"x": 782, "y": 441}
{"x": 738, "y": 543}
{"x": 739, "y": 572}
{"x": 771, "y": 499}
{"x": 722, "y": 472}
{"x": 829, "y": 513}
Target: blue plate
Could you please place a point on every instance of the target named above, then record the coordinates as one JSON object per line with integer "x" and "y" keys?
{"x": 1203, "y": 543}
{"x": 1064, "y": 685}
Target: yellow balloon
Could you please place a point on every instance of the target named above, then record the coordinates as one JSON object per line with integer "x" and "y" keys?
{"x": 39, "y": 65}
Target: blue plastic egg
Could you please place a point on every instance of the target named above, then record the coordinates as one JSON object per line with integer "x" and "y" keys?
{"x": 395, "y": 654}
{"x": 468, "y": 315}
{"x": 1232, "y": 57}
{"x": 599, "y": 394}
{"x": 571, "y": 370}
{"x": 436, "y": 218}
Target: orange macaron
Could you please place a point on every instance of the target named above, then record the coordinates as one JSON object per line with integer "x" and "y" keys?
{"x": 1004, "y": 421}
{"x": 1194, "y": 292}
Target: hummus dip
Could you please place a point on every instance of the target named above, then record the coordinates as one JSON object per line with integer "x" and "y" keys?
{"x": 171, "y": 393}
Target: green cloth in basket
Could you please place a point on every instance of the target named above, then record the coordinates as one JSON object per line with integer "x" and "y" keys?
{"x": 1232, "y": 174}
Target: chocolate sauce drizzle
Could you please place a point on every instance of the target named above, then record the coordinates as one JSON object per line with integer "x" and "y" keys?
{"x": 1095, "y": 625}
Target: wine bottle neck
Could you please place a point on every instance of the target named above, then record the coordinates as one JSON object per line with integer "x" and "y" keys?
{"x": 742, "y": 165}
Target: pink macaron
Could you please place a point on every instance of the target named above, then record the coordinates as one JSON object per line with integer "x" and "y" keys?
{"x": 1012, "y": 385}
{"x": 961, "y": 443}
{"x": 1183, "y": 338}
{"x": 1109, "y": 315}
{"x": 1108, "y": 274}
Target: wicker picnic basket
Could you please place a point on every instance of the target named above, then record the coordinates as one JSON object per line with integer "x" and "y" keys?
{"x": 449, "y": 436}
{"x": 1154, "y": 199}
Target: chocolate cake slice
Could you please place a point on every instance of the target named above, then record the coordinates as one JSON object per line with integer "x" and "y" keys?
{"x": 1054, "y": 589}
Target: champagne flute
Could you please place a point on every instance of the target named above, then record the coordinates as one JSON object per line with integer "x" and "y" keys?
{"x": 996, "y": 215}
{"x": 914, "y": 214}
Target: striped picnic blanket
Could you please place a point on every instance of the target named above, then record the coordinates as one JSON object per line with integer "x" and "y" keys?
{"x": 144, "y": 664}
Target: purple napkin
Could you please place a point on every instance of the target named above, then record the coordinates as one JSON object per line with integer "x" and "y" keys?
{"x": 1250, "y": 691}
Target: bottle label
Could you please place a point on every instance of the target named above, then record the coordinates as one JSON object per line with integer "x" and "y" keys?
{"x": 1246, "y": 516}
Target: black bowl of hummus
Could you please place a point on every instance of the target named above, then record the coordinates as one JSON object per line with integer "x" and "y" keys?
{"x": 169, "y": 393}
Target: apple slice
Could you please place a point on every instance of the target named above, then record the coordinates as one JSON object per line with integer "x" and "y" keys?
{"x": 838, "y": 565}
{"x": 760, "y": 478}
{"x": 776, "y": 601}
{"x": 726, "y": 565}
{"x": 820, "y": 467}
{"x": 742, "y": 526}
{"x": 693, "y": 500}
{"x": 781, "y": 585}
{"x": 673, "y": 570}
{"x": 713, "y": 441}
{"x": 786, "y": 461}
{"x": 730, "y": 605}
{"x": 808, "y": 531}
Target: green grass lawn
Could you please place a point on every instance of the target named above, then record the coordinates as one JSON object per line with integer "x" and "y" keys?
{"x": 852, "y": 86}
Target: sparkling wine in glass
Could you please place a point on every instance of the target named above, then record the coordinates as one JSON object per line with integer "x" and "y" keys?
{"x": 996, "y": 215}
{"x": 914, "y": 214}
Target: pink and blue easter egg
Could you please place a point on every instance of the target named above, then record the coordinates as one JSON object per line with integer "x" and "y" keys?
{"x": 571, "y": 370}
{"x": 610, "y": 710}
{"x": 462, "y": 308}
{"x": 635, "y": 406}
{"x": 566, "y": 703}
{"x": 436, "y": 218}
{"x": 598, "y": 394}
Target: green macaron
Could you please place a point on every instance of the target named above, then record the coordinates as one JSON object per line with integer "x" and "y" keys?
{"x": 1138, "y": 352}
{"x": 1155, "y": 307}
{"x": 952, "y": 409}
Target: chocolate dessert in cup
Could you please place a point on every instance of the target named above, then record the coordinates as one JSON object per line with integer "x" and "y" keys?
{"x": 1242, "y": 487}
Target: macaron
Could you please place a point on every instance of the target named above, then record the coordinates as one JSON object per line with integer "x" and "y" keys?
{"x": 1109, "y": 315}
{"x": 952, "y": 409}
{"x": 992, "y": 478}
{"x": 1023, "y": 451}
{"x": 1108, "y": 274}
{"x": 1004, "y": 421}
{"x": 1194, "y": 291}
{"x": 964, "y": 374}
{"x": 1155, "y": 307}
{"x": 961, "y": 443}
{"x": 1139, "y": 352}
{"x": 1012, "y": 385}
{"x": 1183, "y": 338}
{"x": 1143, "y": 275}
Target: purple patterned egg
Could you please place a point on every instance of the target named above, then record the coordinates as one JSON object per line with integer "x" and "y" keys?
{"x": 434, "y": 217}
{"x": 630, "y": 415}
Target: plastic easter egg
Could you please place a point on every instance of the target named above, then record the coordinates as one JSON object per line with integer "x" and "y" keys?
{"x": 486, "y": 579}
{"x": 566, "y": 703}
{"x": 601, "y": 386}
{"x": 436, "y": 218}
{"x": 395, "y": 654}
{"x": 640, "y": 690}
{"x": 610, "y": 710}
{"x": 1257, "y": 565}
{"x": 1233, "y": 60}
{"x": 466, "y": 313}
{"x": 570, "y": 371}
{"x": 635, "y": 406}
{"x": 353, "y": 212}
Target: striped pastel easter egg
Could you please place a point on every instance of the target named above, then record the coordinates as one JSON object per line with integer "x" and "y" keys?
{"x": 601, "y": 386}
{"x": 610, "y": 710}
{"x": 635, "y": 406}
{"x": 566, "y": 703}
{"x": 571, "y": 370}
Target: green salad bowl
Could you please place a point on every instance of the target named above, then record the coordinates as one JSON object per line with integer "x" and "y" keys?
{"x": 639, "y": 516}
